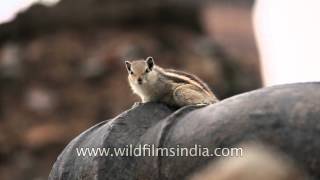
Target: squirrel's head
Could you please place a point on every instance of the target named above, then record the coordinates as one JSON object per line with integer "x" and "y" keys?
{"x": 141, "y": 71}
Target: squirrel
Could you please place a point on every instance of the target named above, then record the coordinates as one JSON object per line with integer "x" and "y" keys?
{"x": 171, "y": 87}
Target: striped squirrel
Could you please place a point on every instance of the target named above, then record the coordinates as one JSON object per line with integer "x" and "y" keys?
{"x": 174, "y": 88}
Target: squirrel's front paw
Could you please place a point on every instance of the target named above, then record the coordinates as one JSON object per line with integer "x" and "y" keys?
{"x": 136, "y": 104}
{"x": 201, "y": 105}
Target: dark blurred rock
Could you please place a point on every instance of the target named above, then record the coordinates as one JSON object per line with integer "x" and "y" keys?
{"x": 39, "y": 100}
{"x": 10, "y": 61}
{"x": 42, "y": 136}
{"x": 284, "y": 118}
{"x": 40, "y": 19}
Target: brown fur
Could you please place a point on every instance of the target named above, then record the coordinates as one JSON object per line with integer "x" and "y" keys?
{"x": 168, "y": 86}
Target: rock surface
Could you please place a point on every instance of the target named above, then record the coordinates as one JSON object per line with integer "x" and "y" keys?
{"x": 283, "y": 117}
{"x": 123, "y": 130}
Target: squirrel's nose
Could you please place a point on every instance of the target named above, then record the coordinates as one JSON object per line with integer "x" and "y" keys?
{"x": 139, "y": 80}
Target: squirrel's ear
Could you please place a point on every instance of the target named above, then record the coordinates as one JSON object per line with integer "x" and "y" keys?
{"x": 150, "y": 62}
{"x": 128, "y": 65}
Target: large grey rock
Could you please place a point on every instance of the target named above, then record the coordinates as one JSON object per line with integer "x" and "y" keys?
{"x": 125, "y": 129}
{"x": 283, "y": 117}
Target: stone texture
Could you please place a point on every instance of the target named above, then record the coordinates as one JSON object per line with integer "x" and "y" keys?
{"x": 284, "y": 117}
{"x": 125, "y": 129}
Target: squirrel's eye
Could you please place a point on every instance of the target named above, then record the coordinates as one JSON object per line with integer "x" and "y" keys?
{"x": 131, "y": 72}
{"x": 147, "y": 70}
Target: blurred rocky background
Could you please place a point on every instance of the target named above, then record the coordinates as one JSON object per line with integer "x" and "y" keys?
{"x": 62, "y": 71}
